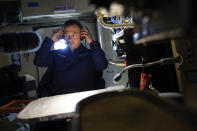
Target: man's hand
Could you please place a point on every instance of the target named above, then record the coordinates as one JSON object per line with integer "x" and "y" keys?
{"x": 85, "y": 33}
{"x": 57, "y": 34}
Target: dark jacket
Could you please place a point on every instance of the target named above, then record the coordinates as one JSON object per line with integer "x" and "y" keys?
{"x": 71, "y": 71}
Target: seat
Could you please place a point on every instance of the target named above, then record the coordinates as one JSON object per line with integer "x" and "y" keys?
{"x": 131, "y": 110}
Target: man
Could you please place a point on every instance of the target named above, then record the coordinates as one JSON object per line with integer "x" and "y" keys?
{"x": 75, "y": 68}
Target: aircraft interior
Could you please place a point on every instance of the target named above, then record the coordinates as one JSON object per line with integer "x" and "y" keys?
{"x": 150, "y": 79}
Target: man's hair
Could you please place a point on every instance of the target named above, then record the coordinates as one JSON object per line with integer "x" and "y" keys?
{"x": 73, "y": 22}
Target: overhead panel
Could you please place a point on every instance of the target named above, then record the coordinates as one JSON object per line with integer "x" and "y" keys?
{"x": 49, "y": 7}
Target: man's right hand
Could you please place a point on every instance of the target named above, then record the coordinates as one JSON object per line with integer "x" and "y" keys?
{"x": 57, "y": 34}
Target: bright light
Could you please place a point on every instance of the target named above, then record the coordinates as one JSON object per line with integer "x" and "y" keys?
{"x": 61, "y": 44}
{"x": 136, "y": 36}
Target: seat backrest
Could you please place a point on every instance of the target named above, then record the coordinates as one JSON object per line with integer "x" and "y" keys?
{"x": 131, "y": 111}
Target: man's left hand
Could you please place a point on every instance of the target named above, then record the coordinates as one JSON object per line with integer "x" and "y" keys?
{"x": 86, "y": 33}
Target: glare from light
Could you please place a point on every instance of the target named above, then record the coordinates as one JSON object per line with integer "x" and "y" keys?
{"x": 136, "y": 36}
{"x": 61, "y": 44}
{"x": 117, "y": 35}
{"x": 116, "y": 9}
{"x": 114, "y": 47}
{"x": 122, "y": 41}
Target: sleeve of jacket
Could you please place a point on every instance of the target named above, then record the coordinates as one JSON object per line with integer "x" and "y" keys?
{"x": 98, "y": 56}
{"x": 44, "y": 56}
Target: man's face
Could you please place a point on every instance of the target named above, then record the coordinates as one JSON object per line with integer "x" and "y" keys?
{"x": 72, "y": 34}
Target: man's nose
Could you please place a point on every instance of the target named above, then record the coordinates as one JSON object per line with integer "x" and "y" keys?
{"x": 69, "y": 37}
